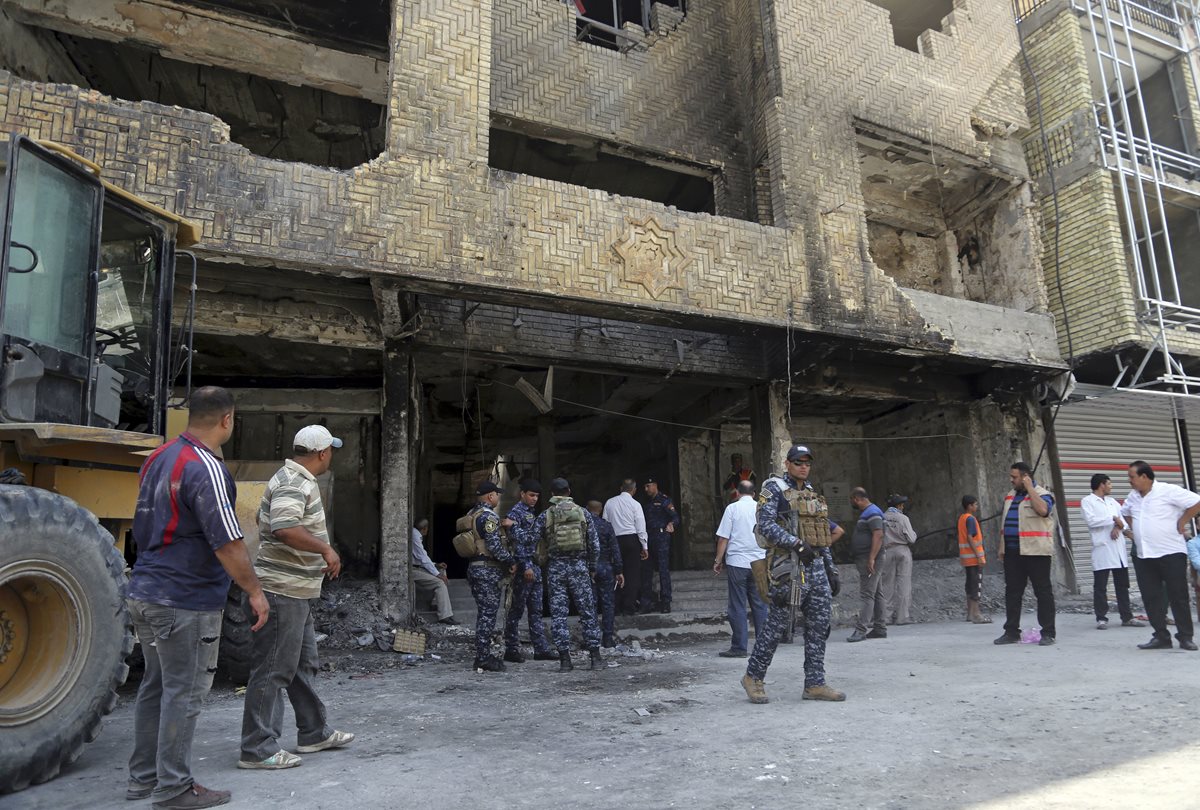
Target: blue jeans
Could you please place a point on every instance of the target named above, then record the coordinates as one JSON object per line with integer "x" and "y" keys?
{"x": 743, "y": 595}
{"x": 285, "y": 658}
{"x": 180, "y": 648}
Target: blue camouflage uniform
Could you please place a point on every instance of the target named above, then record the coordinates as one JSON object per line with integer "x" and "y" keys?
{"x": 569, "y": 577}
{"x": 816, "y": 600}
{"x": 660, "y": 513}
{"x": 526, "y": 596}
{"x": 485, "y": 574}
{"x": 607, "y": 567}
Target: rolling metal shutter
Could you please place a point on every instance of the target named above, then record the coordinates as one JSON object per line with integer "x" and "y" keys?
{"x": 1105, "y": 436}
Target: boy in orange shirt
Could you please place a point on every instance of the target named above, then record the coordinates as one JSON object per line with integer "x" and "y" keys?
{"x": 970, "y": 554}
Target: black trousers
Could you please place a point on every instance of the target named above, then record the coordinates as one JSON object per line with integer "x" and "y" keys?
{"x": 1164, "y": 580}
{"x": 631, "y": 567}
{"x": 1120, "y": 577}
{"x": 1019, "y": 570}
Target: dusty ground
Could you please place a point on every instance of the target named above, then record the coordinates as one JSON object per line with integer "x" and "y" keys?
{"x": 937, "y": 717}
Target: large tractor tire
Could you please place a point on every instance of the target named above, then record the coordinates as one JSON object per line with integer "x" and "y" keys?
{"x": 64, "y": 633}
{"x": 233, "y": 661}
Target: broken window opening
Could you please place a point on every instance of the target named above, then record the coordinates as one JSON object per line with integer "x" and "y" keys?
{"x": 939, "y": 223}
{"x": 362, "y": 26}
{"x": 270, "y": 118}
{"x": 585, "y": 161}
{"x": 911, "y": 18}
{"x": 602, "y": 22}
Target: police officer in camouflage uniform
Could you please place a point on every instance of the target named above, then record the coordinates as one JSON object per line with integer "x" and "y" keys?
{"x": 791, "y": 556}
{"x": 608, "y": 573}
{"x": 567, "y": 536}
{"x": 486, "y": 572}
{"x": 662, "y": 519}
{"x": 527, "y": 581}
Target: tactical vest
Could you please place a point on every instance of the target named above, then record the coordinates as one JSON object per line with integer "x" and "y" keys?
{"x": 807, "y": 517}
{"x": 566, "y": 528}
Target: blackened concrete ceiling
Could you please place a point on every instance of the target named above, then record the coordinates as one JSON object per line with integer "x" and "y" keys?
{"x": 361, "y": 26}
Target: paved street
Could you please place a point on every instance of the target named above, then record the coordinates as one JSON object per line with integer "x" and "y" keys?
{"x": 937, "y": 717}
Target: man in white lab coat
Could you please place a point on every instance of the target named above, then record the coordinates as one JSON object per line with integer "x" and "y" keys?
{"x": 1102, "y": 514}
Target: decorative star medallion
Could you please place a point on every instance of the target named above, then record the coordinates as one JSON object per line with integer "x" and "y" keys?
{"x": 651, "y": 257}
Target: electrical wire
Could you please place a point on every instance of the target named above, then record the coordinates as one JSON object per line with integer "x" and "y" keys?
{"x": 1045, "y": 144}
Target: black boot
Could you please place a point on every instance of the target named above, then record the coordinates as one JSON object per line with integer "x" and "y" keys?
{"x": 489, "y": 664}
{"x": 564, "y": 661}
{"x": 594, "y": 652}
{"x": 514, "y": 655}
{"x": 545, "y": 655}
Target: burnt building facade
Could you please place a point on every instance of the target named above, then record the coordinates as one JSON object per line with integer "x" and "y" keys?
{"x": 508, "y": 237}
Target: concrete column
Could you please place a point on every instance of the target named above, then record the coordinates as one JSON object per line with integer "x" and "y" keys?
{"x": 395, "y": 500}
{"x": 547, "y": 465}
{"x": 770, "y": 436}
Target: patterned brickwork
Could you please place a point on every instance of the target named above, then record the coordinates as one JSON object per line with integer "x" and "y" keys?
{"x": 430, "y": 208}
{"x": 672, "y": 97}
{"x": 1097, "y": 284}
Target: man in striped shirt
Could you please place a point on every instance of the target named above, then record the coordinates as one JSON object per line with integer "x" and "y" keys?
{"x": 293, "y": 558}
{"x": 189, "y": 544}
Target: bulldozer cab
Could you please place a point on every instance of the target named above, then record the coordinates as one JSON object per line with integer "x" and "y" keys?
{"x": 86, "y": 281}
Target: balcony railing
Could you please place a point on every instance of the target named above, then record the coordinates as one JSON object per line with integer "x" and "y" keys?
{"x": 1145, "y": 158}
{"x": 1158, "y": 16}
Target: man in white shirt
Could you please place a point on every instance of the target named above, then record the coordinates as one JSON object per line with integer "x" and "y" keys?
{"x": 1159, "y": 514}
{"x": 629, "y": 522}
{"x": 428, "y": 578}
{"x": 1102, "y": 514}
{"x": 736, "y": 549}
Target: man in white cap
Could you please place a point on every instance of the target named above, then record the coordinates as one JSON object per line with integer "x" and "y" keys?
{"x": 293, "y": 559}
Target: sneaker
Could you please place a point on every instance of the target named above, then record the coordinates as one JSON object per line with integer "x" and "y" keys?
{"x": 1132, "y": 623}
{"x": 1102, "y": 624}
{"x": 139, "y": 790}
{"x": 876, "y": 633}
{"x": 823, "y": 692}
{"x": 195, "y": 798}
{"x": 338, "y": 739}
{"x": 276, "y": 762}
{"x": 732, "y": 653}
{"x": 1047, "y": 641}
{"x": 1008, "y": 638}
{"x": 754, "y": 689}
{"x": 857, "y": 635}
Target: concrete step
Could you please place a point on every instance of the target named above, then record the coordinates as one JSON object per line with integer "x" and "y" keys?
{"x": 697, "y": 596}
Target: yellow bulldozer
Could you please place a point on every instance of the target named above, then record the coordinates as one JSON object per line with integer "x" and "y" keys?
{"x": 87, "y": 367}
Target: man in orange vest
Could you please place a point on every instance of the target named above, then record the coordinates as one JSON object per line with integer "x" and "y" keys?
{"x": 1027, "y": 550}
{"x": 972, "y": 557}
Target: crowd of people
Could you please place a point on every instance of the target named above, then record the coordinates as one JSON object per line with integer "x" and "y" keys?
{"x": 598, "y": 560}
{"x": 773, "y": 544}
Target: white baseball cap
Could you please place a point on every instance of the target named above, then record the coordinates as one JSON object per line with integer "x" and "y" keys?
{"x": 315, "y": 438}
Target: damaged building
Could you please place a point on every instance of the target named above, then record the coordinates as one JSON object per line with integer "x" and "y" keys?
{"x": 1111, "y": 89}
{"x": 492, "y": 238}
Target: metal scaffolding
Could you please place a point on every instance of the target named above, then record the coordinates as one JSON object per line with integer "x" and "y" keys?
{"x": 1127, "y": 36}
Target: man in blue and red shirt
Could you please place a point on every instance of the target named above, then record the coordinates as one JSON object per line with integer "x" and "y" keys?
{"x": 189, "y": 544}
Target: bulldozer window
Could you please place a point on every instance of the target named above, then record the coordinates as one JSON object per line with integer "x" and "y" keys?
{"x": 46, "y": 285}
{"x": 128, "y": 307}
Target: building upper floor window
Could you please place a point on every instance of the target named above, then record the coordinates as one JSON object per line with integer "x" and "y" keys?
{"x": 601, "y": 22}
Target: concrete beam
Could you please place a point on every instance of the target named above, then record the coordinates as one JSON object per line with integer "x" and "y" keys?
{"x": 195, "y": 35}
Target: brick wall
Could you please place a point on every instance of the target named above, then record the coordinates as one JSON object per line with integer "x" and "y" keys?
{"x": 430, "y": 209}
{"x": 672, "y": 96}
